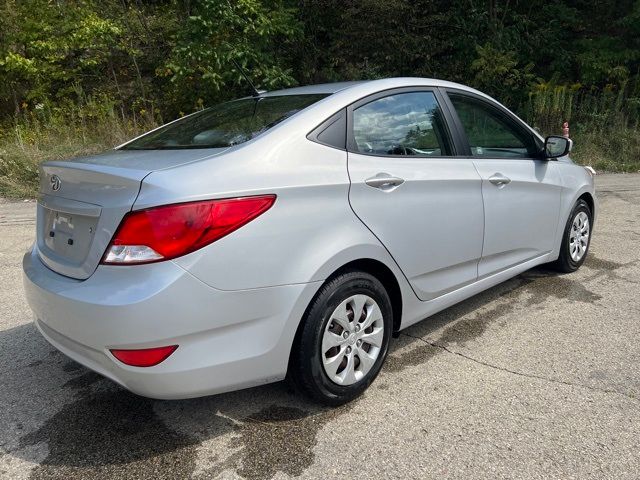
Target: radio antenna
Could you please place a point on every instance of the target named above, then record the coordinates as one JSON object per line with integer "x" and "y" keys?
{"x": 254, "y": 90}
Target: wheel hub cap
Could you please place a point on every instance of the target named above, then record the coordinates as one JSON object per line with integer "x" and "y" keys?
{"x": 579, "y": 236}
{"x": 352, "y": 340}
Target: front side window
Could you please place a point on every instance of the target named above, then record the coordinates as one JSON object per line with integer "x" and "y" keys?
{"x": 401, "y": 124}
{"x": 226, "y": 124}
{"x": 490, "y": 133}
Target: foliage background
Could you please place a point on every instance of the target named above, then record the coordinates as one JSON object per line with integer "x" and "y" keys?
{"x": 80, "y": 76}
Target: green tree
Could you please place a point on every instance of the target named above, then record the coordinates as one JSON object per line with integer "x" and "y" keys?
{"x": 54, "y": 49}
{"x": 258, "y": 34}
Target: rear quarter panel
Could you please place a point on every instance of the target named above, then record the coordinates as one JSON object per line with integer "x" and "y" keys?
{"x": 308, "y": 233}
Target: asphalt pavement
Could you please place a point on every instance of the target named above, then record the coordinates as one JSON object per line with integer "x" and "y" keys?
{"x": 538, "y": 377}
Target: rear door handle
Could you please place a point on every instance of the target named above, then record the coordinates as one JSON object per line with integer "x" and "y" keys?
{"x": 384, "y": 181}
{"x": 499, "y": 180}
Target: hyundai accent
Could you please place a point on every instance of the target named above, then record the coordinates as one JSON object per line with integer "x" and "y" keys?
{"x": 294, "y": 233}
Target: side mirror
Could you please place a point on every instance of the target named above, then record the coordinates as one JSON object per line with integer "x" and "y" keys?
{"x": 555, "y": 146}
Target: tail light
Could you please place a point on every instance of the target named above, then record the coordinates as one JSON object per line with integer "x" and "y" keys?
{"x": 169, "y": 231}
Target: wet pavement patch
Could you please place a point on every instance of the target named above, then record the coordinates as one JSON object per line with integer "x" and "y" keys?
{"x": 72, "y": 366}
{"x": 540, "y": 284}
{"x": 459, "y": 332}
{"x": 600, "y": 264}
{"x": 276, "y": 439}
{"x": 458, "y": 328}
{"x": 629, "y": 196}
{"x": 558, "y": 286}
{"x": 471, "y": 328}
{"x": 410, "y": 358}
{"x": 84, "y": 381}
{"x": 111, "y": 435}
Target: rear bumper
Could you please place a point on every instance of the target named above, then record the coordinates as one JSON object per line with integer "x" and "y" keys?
{"x": 227, "y": 339}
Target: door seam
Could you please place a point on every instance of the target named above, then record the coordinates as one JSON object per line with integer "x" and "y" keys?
{"x": 484, "y": 218}
{"x": 375, "y": 236}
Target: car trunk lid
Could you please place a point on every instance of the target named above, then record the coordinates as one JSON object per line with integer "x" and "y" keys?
{"x": 81, "y": 203}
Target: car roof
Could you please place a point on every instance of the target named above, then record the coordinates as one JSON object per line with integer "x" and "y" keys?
{"x": 330, "y": 88}
{"x": 320, "y": 88}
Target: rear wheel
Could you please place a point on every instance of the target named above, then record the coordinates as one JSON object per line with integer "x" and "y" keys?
{"x": 343, "y": 339}
{"x": 576, "y": 239}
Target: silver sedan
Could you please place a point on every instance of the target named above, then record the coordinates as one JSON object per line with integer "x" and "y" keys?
{"x": 292, "y": 233}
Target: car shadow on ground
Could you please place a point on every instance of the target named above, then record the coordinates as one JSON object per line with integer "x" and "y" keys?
{"x": 73, "y": 423}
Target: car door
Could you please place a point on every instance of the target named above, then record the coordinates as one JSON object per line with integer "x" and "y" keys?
{"x": 422, "y": 203}
{"x": 520, "y": 189}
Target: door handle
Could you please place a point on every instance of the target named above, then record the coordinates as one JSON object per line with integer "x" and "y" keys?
{"x": 499, "y": 180}
{"x": 384, "y": 181}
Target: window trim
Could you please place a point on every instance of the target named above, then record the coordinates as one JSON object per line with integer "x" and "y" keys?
{"x": 448, "y": 122}
{"x": 338, "y": 117}
{"x": 501, "y": 111}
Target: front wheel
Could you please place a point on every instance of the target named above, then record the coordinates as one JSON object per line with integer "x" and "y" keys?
{"x": 576, "y": 239}
{"x": 343, "y": 339}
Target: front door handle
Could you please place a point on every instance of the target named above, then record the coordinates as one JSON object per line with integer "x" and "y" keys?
{"x": 384, "y": 181}
{"x": 499, "y": 180}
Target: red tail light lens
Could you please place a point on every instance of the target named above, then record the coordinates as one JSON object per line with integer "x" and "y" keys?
{"x": 169, "y": 231}
{"x": 147, "y": 357}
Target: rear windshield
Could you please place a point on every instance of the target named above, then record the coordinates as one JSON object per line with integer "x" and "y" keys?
{"x": 226, "y": 124}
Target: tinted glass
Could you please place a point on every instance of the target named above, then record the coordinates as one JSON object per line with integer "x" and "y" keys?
{"x": 226, "y": 124}
{"x": 490, "y": 133}
{"x": 401, "y": 124}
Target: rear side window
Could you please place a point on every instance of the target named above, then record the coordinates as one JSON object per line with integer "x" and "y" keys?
{"x": 401, "y": 124}
{"x": 226, "y": 124}
{"x": 491, "y": 133}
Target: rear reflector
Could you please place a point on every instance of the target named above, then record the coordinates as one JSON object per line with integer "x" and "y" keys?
{"x": 147, "y": 357}
{"x": 169, "y": 231}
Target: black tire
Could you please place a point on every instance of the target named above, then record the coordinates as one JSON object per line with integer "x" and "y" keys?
{"x": 306, "y": 370}
{"x": 565, "y": 263}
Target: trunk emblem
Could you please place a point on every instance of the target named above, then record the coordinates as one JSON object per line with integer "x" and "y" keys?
{"x": 55, "y": 183}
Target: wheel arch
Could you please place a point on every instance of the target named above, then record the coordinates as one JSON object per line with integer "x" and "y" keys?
{"x": 588, "y": 198}
{"x": 386, "y": 276}
{"x": 380, "y": 271}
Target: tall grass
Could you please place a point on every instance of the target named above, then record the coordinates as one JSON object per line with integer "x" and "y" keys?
{"x": 605, "y": 125}
{"x": 41, "y": 134}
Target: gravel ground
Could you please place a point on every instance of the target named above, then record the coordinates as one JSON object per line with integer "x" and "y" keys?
{"x": 536, "y": 378}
